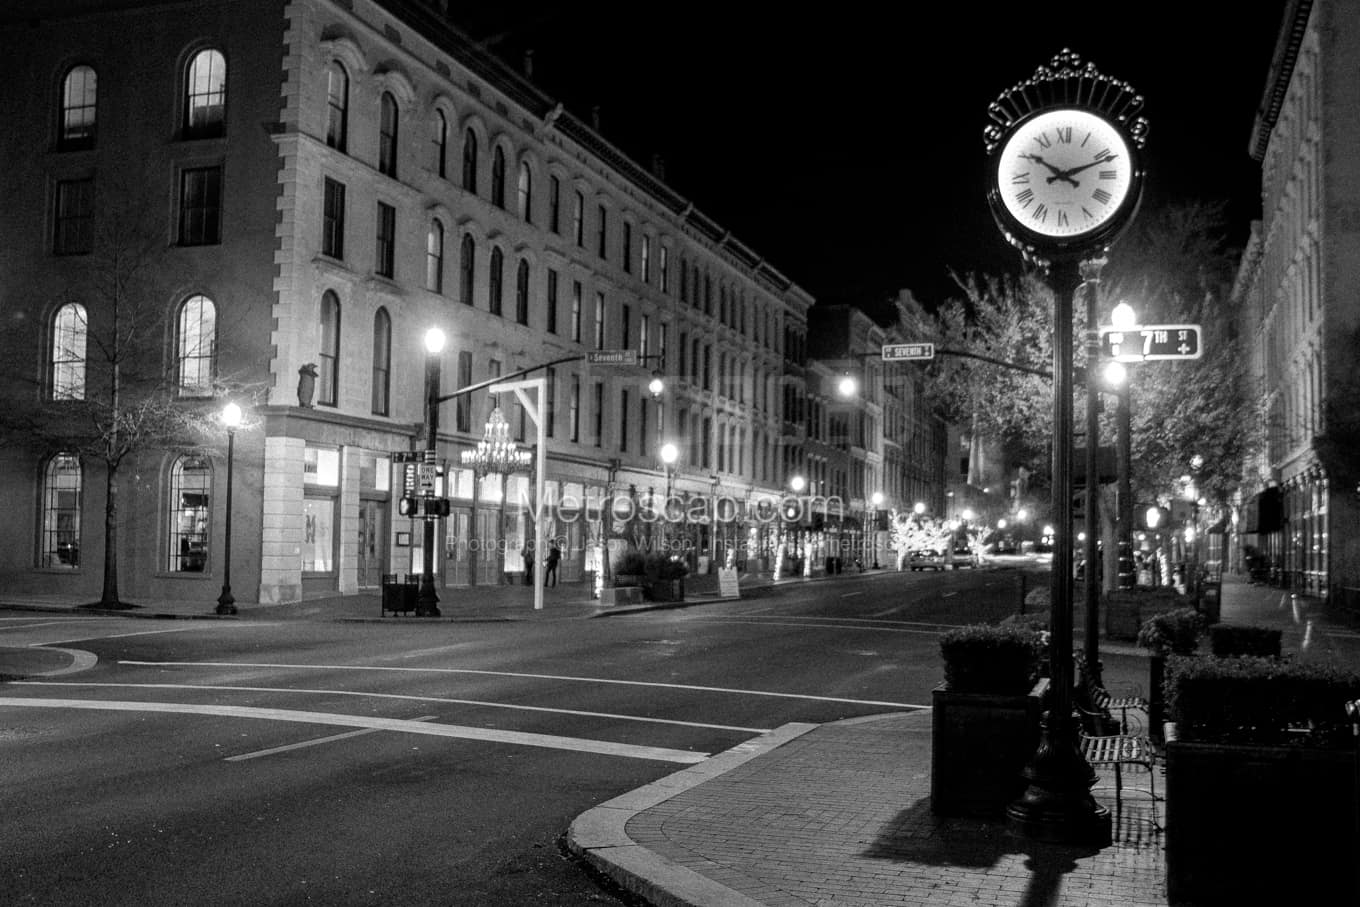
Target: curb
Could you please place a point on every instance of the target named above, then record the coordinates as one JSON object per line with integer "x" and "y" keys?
{"x": 599, "y": 836}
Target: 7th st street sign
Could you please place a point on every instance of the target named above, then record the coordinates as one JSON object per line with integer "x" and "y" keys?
{"x": 1148, "y": 342}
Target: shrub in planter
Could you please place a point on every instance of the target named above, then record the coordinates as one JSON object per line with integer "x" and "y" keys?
{"x": 662, "y": 567}
{"x": 985, "y": 719}
{"x": 1172, "y": 632}
{"x": 1127, "y": 609}
{"x": 631, "y": 569}
{"x": 1262, "y": 773}
{"x": 1251, "y": 700}
{"x": 1226, "y": 640}
{"x": 991, "y": 659}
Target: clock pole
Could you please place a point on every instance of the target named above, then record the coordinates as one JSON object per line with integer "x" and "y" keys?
{"x": 1066, "y": 181}
{"x": 1058, "y": 806}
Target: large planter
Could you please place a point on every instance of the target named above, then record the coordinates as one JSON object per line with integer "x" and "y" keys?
{"x": 1127, "y": 610}
{"x": 667, "y": 590}
{"x": 1261, "y": 825}
{"x": 981, "y": 743}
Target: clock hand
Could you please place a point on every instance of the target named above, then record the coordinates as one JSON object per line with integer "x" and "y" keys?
{"x": 1067, "y": 174}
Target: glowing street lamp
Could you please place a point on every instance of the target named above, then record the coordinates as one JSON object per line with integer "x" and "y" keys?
{"x": 427, "y": 600}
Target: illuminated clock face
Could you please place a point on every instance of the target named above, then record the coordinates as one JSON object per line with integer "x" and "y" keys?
{"x": 1064, "y": 173}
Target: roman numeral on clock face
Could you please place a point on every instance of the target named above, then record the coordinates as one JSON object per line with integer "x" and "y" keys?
{"x": 1043, "y": 140}
{"x": 1025, "y": 197}
{"x": 1020, "y": 179}
{"x": 1041, "y": 213}
{"x": 1065, "y": 134}
{"x": 1101, "y": 196}
{"x": 1062, "y": 218}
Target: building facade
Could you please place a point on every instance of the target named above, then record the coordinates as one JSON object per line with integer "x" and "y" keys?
{"x": 1298, "y": 289}
{"x": 323, "y": 181}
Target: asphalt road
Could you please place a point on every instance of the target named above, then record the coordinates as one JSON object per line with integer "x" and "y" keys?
{"x": 404, "y": 763}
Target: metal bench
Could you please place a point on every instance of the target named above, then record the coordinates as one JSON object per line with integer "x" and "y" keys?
{"x": 1094, "y": 701}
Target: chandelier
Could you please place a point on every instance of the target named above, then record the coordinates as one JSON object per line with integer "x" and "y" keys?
{"x": 496, "y": 453}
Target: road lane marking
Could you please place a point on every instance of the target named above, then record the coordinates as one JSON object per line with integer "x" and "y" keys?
{"x": 767, "y": 622}
{"x": 289, "y": 747}
{"x": 850, "y": 594}
{"x": 609, "y": 680}
{"x": 400, "y": 725}
{"x": 190, "y": 626}
{"x": 360, "y": 693}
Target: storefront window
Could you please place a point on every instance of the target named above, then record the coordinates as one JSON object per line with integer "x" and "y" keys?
{"x": 321, "y": 466}
{"x": 190, "y": 485}
{"x": 318, "y": 547}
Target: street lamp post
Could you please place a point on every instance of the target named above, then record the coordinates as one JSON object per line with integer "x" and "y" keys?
{"x": 669, "y": 454}
{"x": 231, "y": 418}
{"x": 427, "y": 600}
{"x": 1124, "y": 318}
{"x": 1091, "y": 587}
{"x": 877, "y": 501}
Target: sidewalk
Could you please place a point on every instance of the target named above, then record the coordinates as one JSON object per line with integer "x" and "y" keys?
{"x": 839, "y": 814}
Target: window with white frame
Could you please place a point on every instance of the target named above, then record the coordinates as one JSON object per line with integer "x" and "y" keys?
{"x": 190, "y": 492}
{"x": 196, "y": 346}
{"x": 524, "y": 192}
{"x": 78, "y": 95}
{"x": 69, "y": 337}
{"x": 387, "y": 135}
{"x": 59, "y": 545}
{"x": 337, "y": 106}
{"x": 381, "y": 381}
{"x": 434, "y": 257}
{"x": 205, "y": 95}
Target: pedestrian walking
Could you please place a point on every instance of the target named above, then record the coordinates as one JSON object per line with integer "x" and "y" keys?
{"x": 528, "y": 555}
{"x": 554, "y": 556}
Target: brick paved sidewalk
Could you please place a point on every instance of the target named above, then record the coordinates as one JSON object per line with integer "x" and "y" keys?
{"x": 840, "y": 815}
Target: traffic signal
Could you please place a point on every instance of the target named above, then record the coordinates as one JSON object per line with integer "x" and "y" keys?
{"x": 436, "y": 506}
{"x": 409, "y": 507}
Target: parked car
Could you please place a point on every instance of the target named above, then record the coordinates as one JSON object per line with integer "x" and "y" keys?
{"x": 938, "y": 559}
{"x": 926, "y": 559}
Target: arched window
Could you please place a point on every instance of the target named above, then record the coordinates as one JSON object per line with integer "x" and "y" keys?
{"x": 327, "y": 382}
{"x": 434, "y": 257}
{"x": 522, "y": 292}
{"x": 78, "y": 108}
{"x": 337, "y": 106}
{"x": 382, "y": 361}
{"x": 524, "y": 188}
{"x": 466, "y": 268}
{"x": 190, "y": 490}
{"x": 60, "y": 518}
{"x": 470, "y": 161}
{"x": 495, "y": 280}
{"x": 69, "y": 331}
{"x": 387, "y": 135}
{"x": 439, "y": 143}
{"x": 196, "y": 346}
{"x": 498, "y": 177}
{"x": 205, "y": 95}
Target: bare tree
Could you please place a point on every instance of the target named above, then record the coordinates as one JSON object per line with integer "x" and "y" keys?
{"x": 120, "y": 379}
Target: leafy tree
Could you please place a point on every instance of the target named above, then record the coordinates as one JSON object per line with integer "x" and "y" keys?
{"x": 1174, "y": 267}
{"x": 121, "y": 393}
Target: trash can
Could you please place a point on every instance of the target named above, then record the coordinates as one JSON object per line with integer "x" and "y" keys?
{"x": 1211, "y": 601}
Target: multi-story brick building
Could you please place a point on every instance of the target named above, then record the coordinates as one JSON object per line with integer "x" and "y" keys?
{"x": 1299, "y": 291}
{"x": 323, "y": 181}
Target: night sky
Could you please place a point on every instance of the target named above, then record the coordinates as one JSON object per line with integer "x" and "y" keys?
{"x": 845, "y": 145}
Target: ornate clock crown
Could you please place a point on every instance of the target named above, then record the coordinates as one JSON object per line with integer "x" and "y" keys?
{"x": 1065, "y": 82}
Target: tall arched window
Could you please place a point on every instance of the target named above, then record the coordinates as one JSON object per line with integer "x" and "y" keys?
{"x": 496, "y": 280}
{"x": 60, "y": 518}
{"x": 498, "y": 177}
{"x": 327, "y": 382}
{"x": 337, "y": 106}
{"x": 524, "y": 189}
{"x": 434, "y": 257}
{"x": 466, "y": 268}
{"x": 387, "y": 135}
{"x": 205, "y": 95}
{"x": 69, "y": 332}
{"x": 470, "y": 161}
{"x": 522, "y": 292}
{"x": 196, "y": 346}
{"x": 190, "y": 491}
{"x": 439, "y": 143}
{"x": 78, "y": 108}
{"x": 382, "y": 361}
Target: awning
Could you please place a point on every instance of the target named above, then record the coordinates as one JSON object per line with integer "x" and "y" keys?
{"x": 1265, "y": 511}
